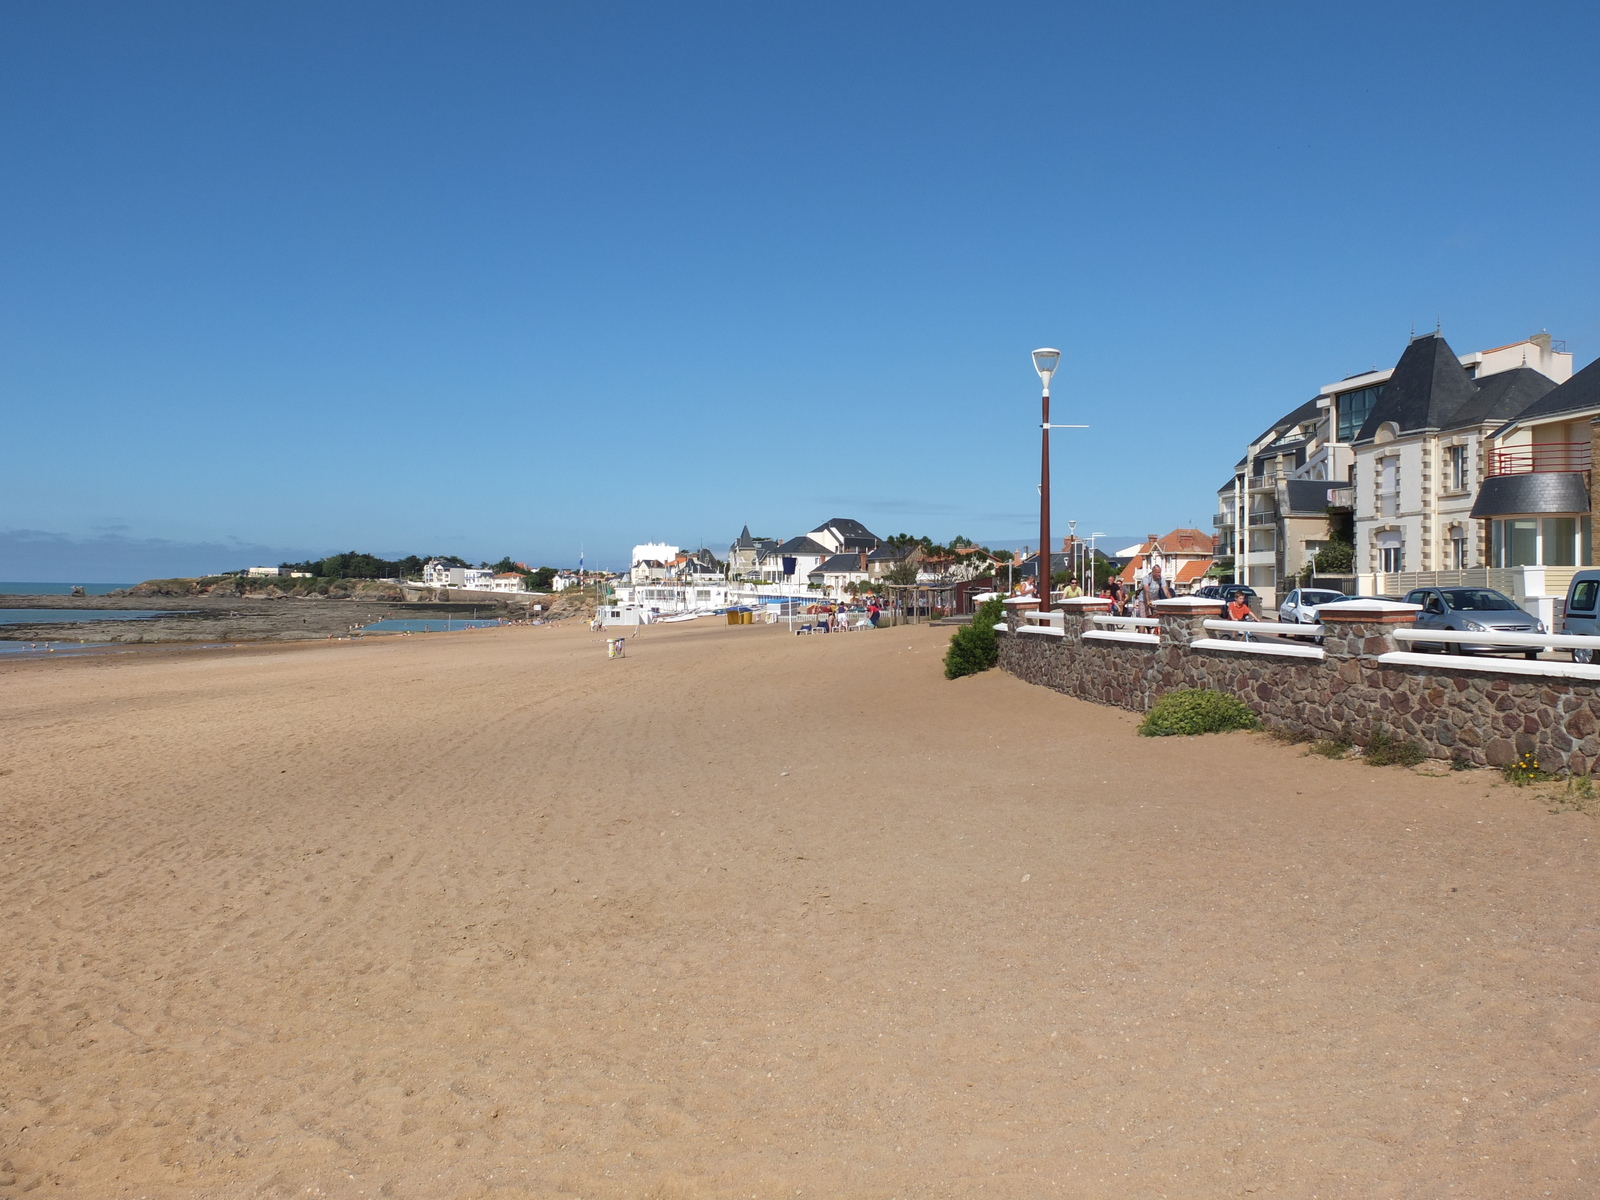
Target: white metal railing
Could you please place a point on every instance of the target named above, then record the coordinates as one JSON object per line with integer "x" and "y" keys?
{"x": 1130, "y": 622}
{"x": 1281, "y": 627}
{"x": 1510, "y": 641}
{"x": 1506, "y": 638}
{"x": 1121, "y": 635}
{"x": 1282, "y": 649}
{"x": 1051, "y": 623}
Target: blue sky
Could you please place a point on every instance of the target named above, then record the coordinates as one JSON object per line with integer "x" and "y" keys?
{"x": 278, "y": 280}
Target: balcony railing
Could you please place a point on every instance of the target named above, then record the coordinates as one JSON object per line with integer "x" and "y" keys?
{"x": 1544, "y": 456}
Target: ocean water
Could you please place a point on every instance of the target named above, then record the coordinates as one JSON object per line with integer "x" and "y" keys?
{"x": 57, "y": 589}
{"x": 398, "y": 626}
{"x": 42, "y": 616}
{"x": 53, "y": 649}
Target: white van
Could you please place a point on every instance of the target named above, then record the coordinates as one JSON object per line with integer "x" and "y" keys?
{"x": 1582, "y": 616}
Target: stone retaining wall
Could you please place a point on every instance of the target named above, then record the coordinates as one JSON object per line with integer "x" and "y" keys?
{"x": 1477, "y": 714}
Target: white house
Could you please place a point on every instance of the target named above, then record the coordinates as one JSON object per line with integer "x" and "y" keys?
{"x": 508, "y": 581}
{"x": 436, "y": 573}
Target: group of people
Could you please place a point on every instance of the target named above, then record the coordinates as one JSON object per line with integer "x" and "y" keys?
{"x": 1140, "y": 599}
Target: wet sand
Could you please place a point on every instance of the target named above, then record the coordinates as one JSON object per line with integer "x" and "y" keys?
{"x": 751, "y": 915}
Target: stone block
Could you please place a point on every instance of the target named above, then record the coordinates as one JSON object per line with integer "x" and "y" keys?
{"x": 1500, "y": 752}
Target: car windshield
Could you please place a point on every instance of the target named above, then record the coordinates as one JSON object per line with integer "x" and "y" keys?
{"x": 1477, "y": 600}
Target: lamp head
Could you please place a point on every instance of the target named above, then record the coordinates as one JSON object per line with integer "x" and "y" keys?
{"x": 1044, "y": 362}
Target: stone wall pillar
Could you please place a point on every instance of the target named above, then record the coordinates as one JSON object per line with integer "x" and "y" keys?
{"x": 1077, "y": 612}
{"x": 1017, "y": 605}
{"x": 1181, "y": 619}
{"x": 1357, "y": 629}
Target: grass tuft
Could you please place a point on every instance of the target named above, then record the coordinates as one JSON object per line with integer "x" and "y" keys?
{"x": 1385, "y": 750}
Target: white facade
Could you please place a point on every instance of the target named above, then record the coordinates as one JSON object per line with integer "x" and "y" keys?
{"x": 265, "y": 571}
{"x": 1411, "y": 493}
{"x": 1414, "y": 490}
{"x": 440, "y": 574}
{"x": 653, "y": 552}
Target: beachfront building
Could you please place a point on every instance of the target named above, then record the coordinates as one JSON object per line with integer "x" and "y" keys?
{"x": 438, "y": 573}
{"x": 507, "y": 581}
{"x": 1398, "y": 454}
{"x": 837, "y": 572}
{"x": 1536, "y": 503}
{"x": 1184, "y": 556}
{"x": 744, "y": 556}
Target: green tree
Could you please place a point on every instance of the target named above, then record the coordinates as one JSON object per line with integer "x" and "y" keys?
{"x": 902, "y": 573}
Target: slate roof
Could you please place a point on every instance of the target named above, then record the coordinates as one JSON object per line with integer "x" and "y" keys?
{"x": 801, "y": 545}
{"x": 1580, "y": 392}
{"x": 1308, "y": 495}
{"x": 838, "y": 565}
{"x": 1503, "y": 396}
{"x": 744, "y": 541}
{"x": 846, "y": 527}
{"x": 889, "y": 553}
{"x": 1428, "y": 387}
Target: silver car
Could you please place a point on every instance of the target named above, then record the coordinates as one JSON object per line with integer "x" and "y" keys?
{"x": 1299, "y": 607}
{"x": 1472, "y": 610}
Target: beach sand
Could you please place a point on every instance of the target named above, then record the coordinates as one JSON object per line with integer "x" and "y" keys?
{"x": 752, "y": 915}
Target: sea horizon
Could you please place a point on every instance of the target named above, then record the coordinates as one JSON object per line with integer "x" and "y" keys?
{"x": 15, "y": 588}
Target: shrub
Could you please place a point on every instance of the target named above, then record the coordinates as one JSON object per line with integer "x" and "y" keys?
{"x": 1197, "y": 710}
{"x": 1383, "y": 750}
{"x": 1330, "y": 747}
{"x": 973, "y": 648}
{"x": 1336, "y": 558}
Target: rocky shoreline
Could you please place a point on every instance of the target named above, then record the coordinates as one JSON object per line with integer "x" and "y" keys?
{"x": 213, "y": 618}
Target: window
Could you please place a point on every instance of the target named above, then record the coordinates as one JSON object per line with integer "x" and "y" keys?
{"x": 1583, "y": 596}
{"x": 1459, "y": 555}
{"x": 1540, "y": 542}
{"x": 1456, "y": 468}
{"x": 1353, "y": 410}
{"x": 1392, "y": 559}
{"x": 1388, "y": 487}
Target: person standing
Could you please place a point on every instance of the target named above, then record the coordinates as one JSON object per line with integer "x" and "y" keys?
{"x": 1154, "y": 588}
{"x": 872, "y": 613}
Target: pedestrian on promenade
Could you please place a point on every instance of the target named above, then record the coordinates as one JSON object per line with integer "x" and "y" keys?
{"x": 873, "y": 612}
{"x": 1154, "y": 588}
{"x": 1239, "y": 610}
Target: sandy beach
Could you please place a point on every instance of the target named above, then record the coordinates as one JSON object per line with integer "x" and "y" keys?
{"x": 753, "y": 915}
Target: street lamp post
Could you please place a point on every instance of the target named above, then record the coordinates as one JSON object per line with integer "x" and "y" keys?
{"x": 1044, "y": 361}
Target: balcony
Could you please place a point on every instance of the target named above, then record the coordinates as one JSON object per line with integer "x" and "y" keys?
{"x": 1541, "y": 457}
{"x": 1222, "y": 520}
{"x": 1264, "y": 518}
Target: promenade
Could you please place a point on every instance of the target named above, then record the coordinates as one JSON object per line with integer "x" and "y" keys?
{"x": 752, "y": 915}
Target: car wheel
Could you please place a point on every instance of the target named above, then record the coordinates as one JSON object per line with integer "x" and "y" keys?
{"x": 1532, "y": 655}
{"x": 1458, "y": 648}
{"x": 1583, "y": 656}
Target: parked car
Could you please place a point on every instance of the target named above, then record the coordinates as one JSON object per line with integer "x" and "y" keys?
{"x": 1299, "y": 607}
{"x": 1472, "y": 610}
{"x": 1582, "y": 593}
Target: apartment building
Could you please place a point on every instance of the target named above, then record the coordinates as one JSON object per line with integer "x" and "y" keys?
{"x": 1539, "y": 490}
{"x": 1420, "y": 454}
{"x": 1398, "y": 453}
